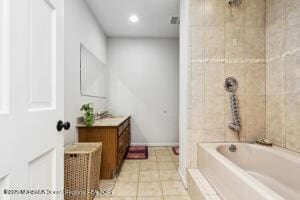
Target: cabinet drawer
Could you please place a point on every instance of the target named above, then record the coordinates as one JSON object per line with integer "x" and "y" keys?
{"x": 126, "y": 123}
{"x": 121, "y": 142}
{"x": 121, "y": 155}
{"x": 120, "y": 130}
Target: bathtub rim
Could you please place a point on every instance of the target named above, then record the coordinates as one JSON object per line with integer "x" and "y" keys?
{"x": 262, "y": 189}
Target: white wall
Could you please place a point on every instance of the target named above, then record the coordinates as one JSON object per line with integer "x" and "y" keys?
{"x": 144, "y": 82}
{"x": 80, "y": 27}
{"x": 183, "y": 106}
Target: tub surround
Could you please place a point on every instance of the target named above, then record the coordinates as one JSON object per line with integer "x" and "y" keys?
{"x": 283, "y": 73}
{"x": 225, "y": 41}
{"x": 199, "y": 188}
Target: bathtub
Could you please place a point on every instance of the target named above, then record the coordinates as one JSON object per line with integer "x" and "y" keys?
{"x": 252, "y": 172}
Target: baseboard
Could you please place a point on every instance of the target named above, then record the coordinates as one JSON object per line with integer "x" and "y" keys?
{"x": 183, "y": 178}
{"x": 155, "y": 144}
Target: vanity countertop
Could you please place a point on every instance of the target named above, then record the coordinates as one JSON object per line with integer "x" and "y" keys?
{"x": 108, "y": 122}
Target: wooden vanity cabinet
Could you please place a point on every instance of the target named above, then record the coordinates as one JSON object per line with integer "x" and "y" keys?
{"x": 115, "y": 141}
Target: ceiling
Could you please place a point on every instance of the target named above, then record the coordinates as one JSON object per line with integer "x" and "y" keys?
{"x": 154, "y": 17}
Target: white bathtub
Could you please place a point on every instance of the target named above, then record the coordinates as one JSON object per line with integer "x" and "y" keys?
{"x": 252, "y": 172}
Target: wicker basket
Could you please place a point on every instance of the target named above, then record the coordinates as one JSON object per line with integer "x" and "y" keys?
{"x": 82, "y": 170}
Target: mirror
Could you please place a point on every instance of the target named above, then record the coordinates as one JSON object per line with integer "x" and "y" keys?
{"x": 93, "y": 74}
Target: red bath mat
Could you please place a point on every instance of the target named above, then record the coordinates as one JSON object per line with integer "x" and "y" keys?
{"x": 175, "y": 150}
{"x": 137, "y": 152}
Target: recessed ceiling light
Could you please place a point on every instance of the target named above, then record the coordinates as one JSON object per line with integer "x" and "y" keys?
{"x": 134, "y": 18}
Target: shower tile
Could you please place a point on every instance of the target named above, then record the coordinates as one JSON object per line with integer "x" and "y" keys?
{"x": 197, "y": 119}
{"x": 197, "y": 82}
{"x": 215, "y": 135}
{"x": 275, "y": 119}
{"x": 235, "y": 16}
{"x": 198, "y": 42}
{"x": 293, "y": 74}
{"x": 255, "y": 43}
{"x": 277, "y": 136}
{"x": 293, "y": 62}
{"x": 255, "y": 14}
{"x": 231, "y": 136}
{"x": 253, "y": 133}
{"x": 197, "y": 13}
{"x": 293, "y": 37}
{"x": 256, "y": 79}
{"x": 275, "y": 42}
{"x": 214, "y": 42}
{"x": 275, "y": 78}
{"x": 214, "y": 13}
{"x": 293, "y": 139}
{"x": 293, "y": 12}
{"x": 214, "y": 112}
{"x": 292, "y": 82}
{"x": 293, "y": 111}
{"x": 214, "y": 78}
{"x": 275, "y": 83}
{"x": 275, "y": 10}
{"x": 256, "y": 112}
{"x": 234, "y": 42}
{"x": 277, "y": 65}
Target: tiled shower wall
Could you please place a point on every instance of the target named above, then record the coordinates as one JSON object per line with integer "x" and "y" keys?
{"x": 225, "y": 41}
{"x": 283, "y": 73}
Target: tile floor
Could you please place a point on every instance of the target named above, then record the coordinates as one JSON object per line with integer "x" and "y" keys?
{"x": 156, "y": 178}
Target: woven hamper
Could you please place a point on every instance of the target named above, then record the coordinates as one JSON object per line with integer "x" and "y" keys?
{"x": 82, "y": 170}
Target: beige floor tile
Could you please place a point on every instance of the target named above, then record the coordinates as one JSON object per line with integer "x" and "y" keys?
{"x": 169, "y": 175}
{"x": 161, "y": 148}
{"x": 125, "y": 189}
{"x": 150, "y": 198}
{"x": 163, "y": 153}
{"x": 151, "y": 153}
{"x": 173, "y": 188}
{"x": 131, "y": 165}
{"x": 148, "y": 166}
{"x": 149, "y": 189}
{"x": 123, "y": 198}
{"x": 151, "y": 158}
{"x": 149, "y": 176}
{"x": 175, "y": 158}
{"x": 128, "y": 176}
{"x": 166, "y": 165}
{"x": 106, "y": 187}
{"x": 151, "y": 148}
{"x": 101, "y": 198}
{"x": 176, "y": 198}
{"x": 163, "y": 158}
{"x": 131, "y": 161}
{"x": 106, "y": 184}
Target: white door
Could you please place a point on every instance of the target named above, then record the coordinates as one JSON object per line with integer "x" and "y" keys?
{"x": 31, "y": 97}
